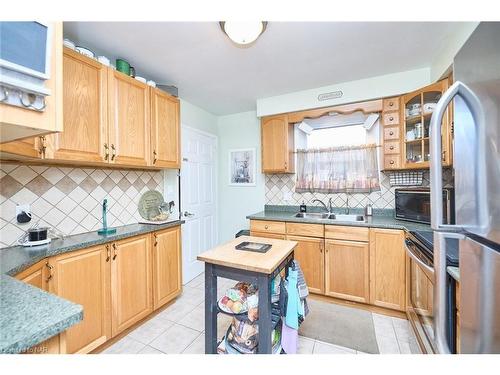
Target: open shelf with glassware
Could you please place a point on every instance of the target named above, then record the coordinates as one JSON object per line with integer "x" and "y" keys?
{"x": 417, "y": 109}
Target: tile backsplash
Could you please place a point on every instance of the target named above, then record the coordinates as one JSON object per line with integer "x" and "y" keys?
{"x": 282, "y": 186}
{"x": 70, "y": 199}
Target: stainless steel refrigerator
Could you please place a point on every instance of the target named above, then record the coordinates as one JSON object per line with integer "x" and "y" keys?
{"x": 476, "y": 99}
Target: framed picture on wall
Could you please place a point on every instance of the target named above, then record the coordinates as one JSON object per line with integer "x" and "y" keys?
{"x": 242, "y": 167}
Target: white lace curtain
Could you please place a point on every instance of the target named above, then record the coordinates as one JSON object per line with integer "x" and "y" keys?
{"x": 351, "y": 169}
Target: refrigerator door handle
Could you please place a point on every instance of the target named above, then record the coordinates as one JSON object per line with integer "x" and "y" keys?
{"x": 436, "y": 173}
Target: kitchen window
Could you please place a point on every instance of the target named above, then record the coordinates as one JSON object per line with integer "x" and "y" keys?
{"x": 338, "y": 159}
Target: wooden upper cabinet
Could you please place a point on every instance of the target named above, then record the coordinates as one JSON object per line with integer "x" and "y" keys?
{"x": 129, "y": 127}
{"x": 167, "y": 280}
{"x": 416, "y": 112}
{"x": 347, "y": 270}
{"x": 83, "y": 277}
{"x": 85, "y": 111}
{"x": 277, "y": 145}
{"x": 30, "y": 148}
{"x": 387, "y": 269}
{"x": 130, "y": 282}
{"x": 165, "y": 130}
{"x": 20, "y": 123}
{"x": 310, "y": 255}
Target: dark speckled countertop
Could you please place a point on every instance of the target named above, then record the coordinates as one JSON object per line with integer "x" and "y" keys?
{"x": 380, "y": 218}
{"x": 29, "y": 315}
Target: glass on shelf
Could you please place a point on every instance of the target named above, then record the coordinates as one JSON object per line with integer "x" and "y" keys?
{"x": 414, "y": 152}
{"x": 413, "y": 109}
{"x": 427, "y": 152}
{"x": 430, "y": 99}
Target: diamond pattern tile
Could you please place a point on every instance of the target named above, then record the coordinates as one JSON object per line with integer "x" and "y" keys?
{"x": 53, "y": 175}
{"x": 77, "y": 175}
{"x": 9, "y": 186}
{"x": 69, "y": 199}
{"x": 23, "y": 174}
{"x": 39, "y": 185}
{"x": 66, "y": 185}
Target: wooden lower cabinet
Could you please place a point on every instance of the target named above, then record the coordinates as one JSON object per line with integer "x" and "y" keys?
{"x": 116, "y": 283}
{"x": 311, "y": 257}
{"x": 268, "y": 235}
{"x": 167, "y": 265}
{"x": 35, "y": 275}
{"x": 83, "y": 277}
{"x": 131, "y": 292}
{"x": 347, "y": 270}
{"x": 387, "y": 269}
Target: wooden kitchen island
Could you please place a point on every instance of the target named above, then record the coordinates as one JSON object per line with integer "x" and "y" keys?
{"x": 252, "y": 267}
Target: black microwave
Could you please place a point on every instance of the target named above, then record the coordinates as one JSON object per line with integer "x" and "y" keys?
{"x": 415, "y": 205}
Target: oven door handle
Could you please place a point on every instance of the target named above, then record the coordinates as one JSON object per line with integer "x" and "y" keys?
{"x": 427, "y": 269}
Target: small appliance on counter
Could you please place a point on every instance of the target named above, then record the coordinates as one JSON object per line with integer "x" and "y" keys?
{"x": 38, "y": 236}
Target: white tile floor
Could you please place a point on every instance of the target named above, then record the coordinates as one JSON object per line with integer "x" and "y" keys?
{"x": 180, "y": 329}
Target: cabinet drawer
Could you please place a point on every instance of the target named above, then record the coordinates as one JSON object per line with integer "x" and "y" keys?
{"x": 391, "y": 118}
{"x": 267, "y": 226}
{"x": 339, "y": 232}
{"x": 392, "y": 161}
{"x": 391, "y": 133}
{"x": 391, "y": 147}
{"x": 309, "y": 230}
{"x": 390, "y": 104}
{"x": 267, "y": 235}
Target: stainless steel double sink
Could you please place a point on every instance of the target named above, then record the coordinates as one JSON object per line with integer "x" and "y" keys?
{"x": 329, "y": 216}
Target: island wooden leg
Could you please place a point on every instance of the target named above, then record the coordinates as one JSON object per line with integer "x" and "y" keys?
{"x": 210, "y": 310}
{"x": 265, "y": 323}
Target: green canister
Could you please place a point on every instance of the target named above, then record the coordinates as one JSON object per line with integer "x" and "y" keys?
{"x": 123, "y": 66}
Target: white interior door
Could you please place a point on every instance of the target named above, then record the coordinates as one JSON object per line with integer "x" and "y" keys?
{"x": 198, "y": 198}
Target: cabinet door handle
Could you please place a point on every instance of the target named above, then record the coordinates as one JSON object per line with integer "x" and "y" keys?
{"x": 156, "y": 239}
{"x": 391, "y": 118}
{"x": 391, "y": 104}
{"x": 266, "y": 227}
{"x": 391, "y": 148}
{"x": 43, "y": 146}
{"x": 286, "y": 164}
{"x": 51, "y": 268}
{"x": 115, "y": 251}
{"x": 391, "y": 162}
{"x": 321, "y": 247}
{"x": 391, "y": 133}
{"x": 108, "y": 253}
{"x": 106, "y": 152}
{"x": 113, "y": 149}
{"x": 154, "y": 157}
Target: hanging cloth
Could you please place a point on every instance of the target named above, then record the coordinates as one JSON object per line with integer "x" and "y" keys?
{"x": 293, "y": 303}
{"x": 289, "y": 339}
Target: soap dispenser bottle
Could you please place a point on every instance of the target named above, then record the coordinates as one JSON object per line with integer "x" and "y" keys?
{"x": 303, "y": 207}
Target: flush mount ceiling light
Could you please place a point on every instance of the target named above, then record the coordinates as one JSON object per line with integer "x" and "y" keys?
{"x": 243, "y": 33}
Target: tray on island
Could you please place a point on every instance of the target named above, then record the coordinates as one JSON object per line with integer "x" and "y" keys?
{"x": 256, "y": 247}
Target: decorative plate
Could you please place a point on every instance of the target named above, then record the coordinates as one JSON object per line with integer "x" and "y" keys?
{"x": 149, "y": 205}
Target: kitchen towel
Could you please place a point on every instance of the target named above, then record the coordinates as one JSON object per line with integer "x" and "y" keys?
{"x": 293, "y": 303}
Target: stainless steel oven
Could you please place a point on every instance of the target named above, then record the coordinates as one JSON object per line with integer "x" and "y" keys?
{"x": 420, "y": 290}
{"x": 415, "y": 205}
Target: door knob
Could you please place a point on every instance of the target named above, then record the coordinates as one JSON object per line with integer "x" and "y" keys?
{"x": 188, "y": 214}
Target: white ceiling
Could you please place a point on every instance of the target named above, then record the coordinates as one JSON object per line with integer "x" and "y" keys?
{"x": 214, "y": 74}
